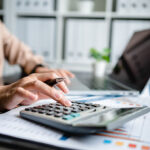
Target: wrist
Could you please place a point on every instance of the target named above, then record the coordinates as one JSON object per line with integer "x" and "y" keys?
{"x": 36, "y": 68}
{"x": 41, "y": 69}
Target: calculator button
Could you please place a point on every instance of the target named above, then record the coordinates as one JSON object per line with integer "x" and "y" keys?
{"x": 58, "y": 107}
{"x": 82, "y": 106}
{"x": 50, "y": 113}
{"x": 67, "y": 112}
{"x": 58, "y": 104}
{"x": 96, "y": 105}
{"x": 34, "y": 110}
{"x": 74, "y": 107}
{"x": 88, "y": 107}
{"x": 82, "y": 109}
{"x": 42, "y": 108}
{"x": 41, "y": 111}
{"x": 47, "y": 108}
{"x": 27, "y": 109}
{"x": 75, "y": 110}
{"x": 104, "y": 107}
{"x": 79, "y": 102}
{"x": 51, "y": 109}
{"x": 67, "y": 117}
{"x": 87, "y": 104}
{"x": 51, "y": 106}
{"x": 58, "y": 110}
{"x": 58, "y": 115}
{"x": 73, "y": 102}
{"x": 37, "y": 107}
{"x": 67, "y": 109}
{"x": 75, "y": 115}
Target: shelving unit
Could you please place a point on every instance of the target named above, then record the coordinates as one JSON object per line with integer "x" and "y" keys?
{"x": 105, "y": 10}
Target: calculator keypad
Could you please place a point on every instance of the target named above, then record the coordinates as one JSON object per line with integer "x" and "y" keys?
{"x": 59, "y": 111}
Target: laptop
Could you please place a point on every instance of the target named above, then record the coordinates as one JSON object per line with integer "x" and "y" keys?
{"x": 130, "y": 74}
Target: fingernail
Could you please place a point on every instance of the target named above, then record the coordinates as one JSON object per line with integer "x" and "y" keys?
{"x": 35, "y": 97}
{"x": 72, "y": 76}
{"x": 58, "y": 96}
{"x": 66, "y": 90}
{"x": 67, "y": 103}
{"x": 68, "y": 82}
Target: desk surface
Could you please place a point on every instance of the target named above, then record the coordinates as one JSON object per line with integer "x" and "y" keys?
{"x": 9, "y": 145}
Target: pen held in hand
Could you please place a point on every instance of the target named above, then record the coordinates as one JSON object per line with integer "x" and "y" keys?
{"x": 53, "y": 82}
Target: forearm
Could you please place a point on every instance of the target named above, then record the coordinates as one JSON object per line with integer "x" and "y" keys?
{"x": 17, "y": 52}
{"x": 21, "y": 54}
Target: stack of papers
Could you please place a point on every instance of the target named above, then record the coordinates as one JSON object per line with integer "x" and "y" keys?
{"x": 135, "y": 134}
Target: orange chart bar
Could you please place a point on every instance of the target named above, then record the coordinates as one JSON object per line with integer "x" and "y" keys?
{"x": 113, "y": 136}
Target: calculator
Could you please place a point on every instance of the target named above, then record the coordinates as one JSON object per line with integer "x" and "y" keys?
{"x": 81, "y": 117}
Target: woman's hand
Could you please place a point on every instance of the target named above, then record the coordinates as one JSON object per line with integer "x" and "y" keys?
{"x": 60, "y": 72}
{"x": 30, "y": 89}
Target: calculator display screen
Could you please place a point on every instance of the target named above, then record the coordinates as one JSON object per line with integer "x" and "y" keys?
{"x": 102, "y": 119}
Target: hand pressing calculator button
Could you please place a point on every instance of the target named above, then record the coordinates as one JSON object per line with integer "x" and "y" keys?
{"x": 81, "y": 118}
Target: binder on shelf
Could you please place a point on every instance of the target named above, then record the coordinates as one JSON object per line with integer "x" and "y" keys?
{"x": 81, "y": 35}
{"x": 39, "y": 34}
{"x": 35, "y": 5}
{"x": 69, "y": 53}
{"x": 133, "y": 6}
{"x": 144, "y": 6}
{"x": 86, "y": 41}
{"x": 79, "y": 51}
{"x": 123, "y": 6}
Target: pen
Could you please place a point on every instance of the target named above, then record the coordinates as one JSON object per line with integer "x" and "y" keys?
{"x": 53, "y": 82}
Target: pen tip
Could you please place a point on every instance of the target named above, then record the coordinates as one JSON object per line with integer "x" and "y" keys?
{"x": 60, "y": 79}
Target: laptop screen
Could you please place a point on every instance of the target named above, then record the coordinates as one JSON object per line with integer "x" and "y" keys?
{"x": 133, "y": 67}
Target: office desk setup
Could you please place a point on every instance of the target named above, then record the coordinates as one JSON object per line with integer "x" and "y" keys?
{"x": 120, "y": 90}
{"x": 24, "y": 134}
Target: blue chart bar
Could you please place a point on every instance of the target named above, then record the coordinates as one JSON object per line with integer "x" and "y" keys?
{"x": 107, "y": 141}
{"x": 64, "y": 138}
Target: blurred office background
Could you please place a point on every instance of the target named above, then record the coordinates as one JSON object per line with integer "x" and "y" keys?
{"x": 63, "y": 31}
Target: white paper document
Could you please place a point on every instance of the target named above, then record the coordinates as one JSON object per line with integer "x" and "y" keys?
{"x": 135, "y": 134}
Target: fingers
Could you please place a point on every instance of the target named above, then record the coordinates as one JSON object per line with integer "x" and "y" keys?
{"x": 43, "y": 76}
{"x": 63, "y": 87}
{"x": 29, "y": 100}
{"x": 66, "y": 74}
{"x": 71, "y": 75}
{"x": 49, "y": 91}
{"x": 20, "y": 92}
{"x": 26, "y": 94}
{"x": 42, "y": 70}
{"x": 60, "y": 73}
{"x": 42, "y": 96}
{"x": 63, "y": 74}
{"x": 18, "y": 96}
{"x": 48, "y": 76}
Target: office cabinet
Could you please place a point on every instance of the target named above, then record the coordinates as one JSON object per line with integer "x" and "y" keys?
{"x": 63, "y": 33}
